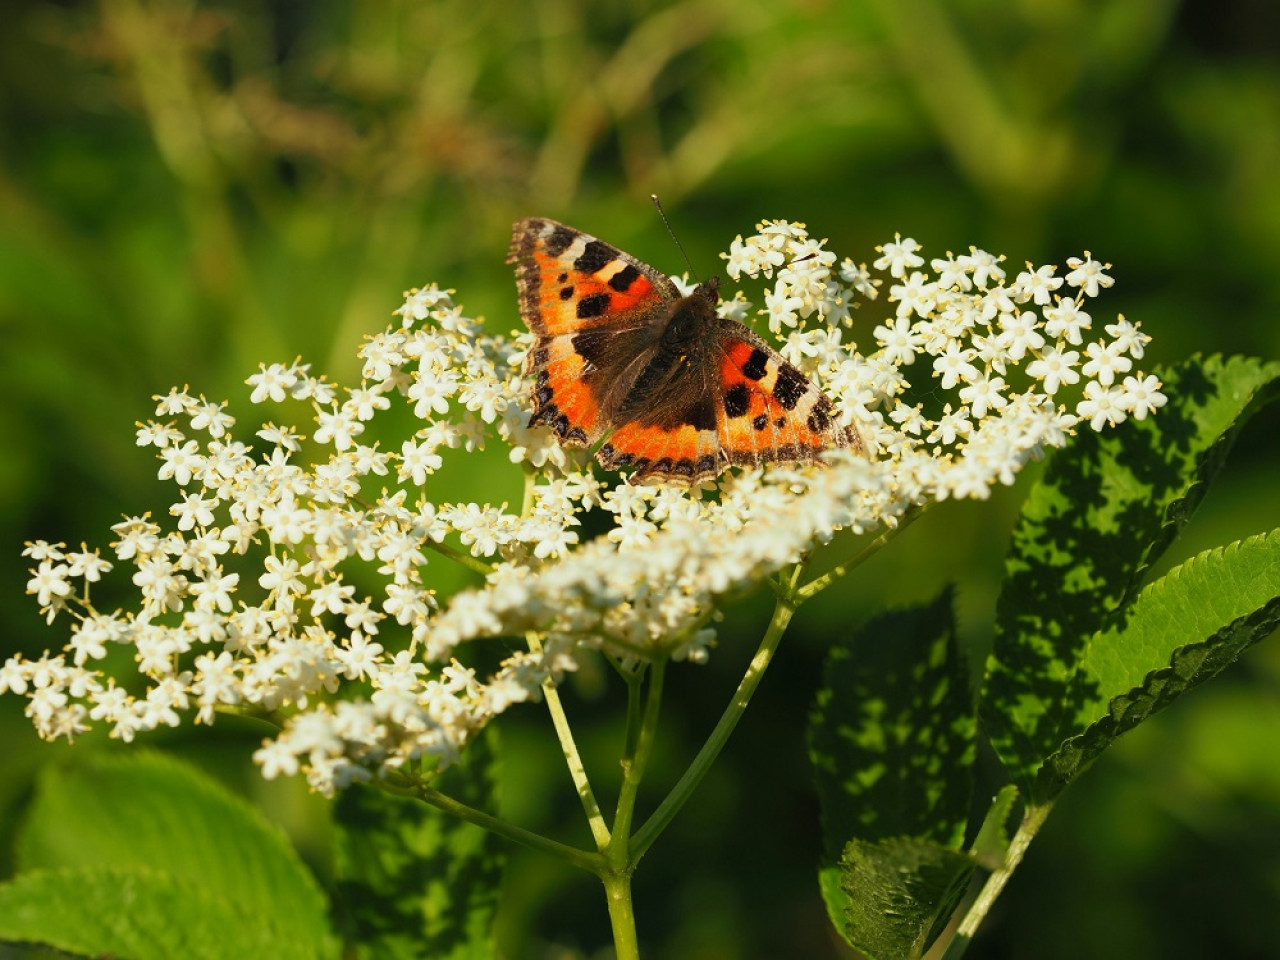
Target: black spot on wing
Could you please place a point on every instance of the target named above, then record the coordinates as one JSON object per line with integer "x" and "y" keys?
{"x": 756, "y": 365}
{"x": 624, "y": 278}
{"x": 819, "y": 418}
{"x": 761, "y": 421}
{"x": 702, "y": 415}
{"x": 593, "y": 305}
{"x": 595, "y": 256}
{"x": 790, "y": 386}
{"x": 566, "y": 293}
{"x": 737, "y": 400}
{"x": 560, "y": 240}
{"x": 592, "y": 346}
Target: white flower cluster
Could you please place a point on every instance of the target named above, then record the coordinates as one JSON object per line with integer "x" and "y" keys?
{"x": 248, "y": 599}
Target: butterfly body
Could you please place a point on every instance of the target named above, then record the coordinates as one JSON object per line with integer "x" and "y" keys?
{"x": 660, "y": 381}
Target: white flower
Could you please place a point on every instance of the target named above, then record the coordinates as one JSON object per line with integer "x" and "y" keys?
{"x": 1088, "y": 274}
{"x": 49, "y": 582}
{"x": 1101, "y": 406}
{"x": 899, "y": 256}
{"x": 984, "y": 267}
{"x": 1105, "y": 362}
{"x": 1142, "y": 396}
{"x": 1055, "y": 369}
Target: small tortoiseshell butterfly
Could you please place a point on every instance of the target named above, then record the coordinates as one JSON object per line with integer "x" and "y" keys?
{"x": 676, "y": 392}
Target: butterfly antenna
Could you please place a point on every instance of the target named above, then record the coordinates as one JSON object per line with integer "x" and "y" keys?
{"x": 667, "y": 223}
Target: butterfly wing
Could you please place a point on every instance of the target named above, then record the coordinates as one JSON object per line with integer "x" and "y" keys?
{"x": 593, "y": 310}
{"x": 767, "y": 410}
{"x": 734, "y": 401}
{"x": 675, "y": 392}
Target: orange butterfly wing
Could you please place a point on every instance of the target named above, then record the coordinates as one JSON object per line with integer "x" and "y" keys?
{"x": 570, "y": 283}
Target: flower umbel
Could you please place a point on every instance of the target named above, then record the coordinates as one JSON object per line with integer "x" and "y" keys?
{"x": 256, "y": 593}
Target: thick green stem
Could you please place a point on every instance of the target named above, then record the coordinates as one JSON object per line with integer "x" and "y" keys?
{"x": 617, "y": 887}
{"x": 986, "y": 898}
{"x": 782, "y": 613}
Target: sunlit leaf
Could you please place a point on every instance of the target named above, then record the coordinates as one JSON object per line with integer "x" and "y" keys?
{"x": 1180, "y": 631}
{"x": 149, "y": 812}
{"x": 138, "y": 914}
{"x": 1105, "y": 510}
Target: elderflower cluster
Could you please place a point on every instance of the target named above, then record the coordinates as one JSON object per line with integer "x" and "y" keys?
{"x": 293, "y": 576}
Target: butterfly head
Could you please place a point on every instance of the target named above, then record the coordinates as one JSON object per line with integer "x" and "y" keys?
{"x": 708, "y": 289}
{"x": 691, "y": 314}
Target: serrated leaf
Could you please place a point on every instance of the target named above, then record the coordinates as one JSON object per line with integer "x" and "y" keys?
{"x": 148, "y": 811}
{"x": 1106, "y": 508}
{"x": 133, "y": 913}
{"x": 1179, "y": 632}
{"x": 892, "y": 740}
{"x": 413, "y": 881}
{"x": 901, "y": 892}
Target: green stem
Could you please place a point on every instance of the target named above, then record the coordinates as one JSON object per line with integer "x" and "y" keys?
{"x": 818, "y": 584}
{"x": 783, "y": 610}
{"x": 642, "y": 729}
{"x": 584, "y": 860}
{"x": 572, "y": 758}
{"x": 617, "y": 888}
{"x": 633, "y": 767}
{"x": 1032, "y": 821}
{"x": 635, "y": 711}
{"x": 466, "y": 559}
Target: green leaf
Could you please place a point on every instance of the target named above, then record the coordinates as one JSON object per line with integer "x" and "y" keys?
{"x": 892, "y": 739}
{"x": 133, "y": 913}
{"x": 991, "y": 845}
{"x": 414, "y": 881}
{"x": 901, "y": 892}
{"x": 1179, "y": 632}
{"x": 150, "y": 812}
{"x": 1104, "y": 511}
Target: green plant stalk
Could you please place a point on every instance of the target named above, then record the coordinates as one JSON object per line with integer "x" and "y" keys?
{"x": 622, "y": 917}
{"x": 572, "y": 758}
{"x": 1032, "y": 821}
{"x": 818, "y": 584}
{"x": 783, "y": 610}
{"x": 582, "y": 859}
{"x": 459, "y": 556}
{"x": 620, "y": 863}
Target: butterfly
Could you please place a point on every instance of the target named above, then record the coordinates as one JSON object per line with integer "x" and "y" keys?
{"x": 675, "y": 392}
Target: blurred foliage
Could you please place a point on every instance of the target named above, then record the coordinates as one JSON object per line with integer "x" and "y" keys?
{"x": 187, "y": 189}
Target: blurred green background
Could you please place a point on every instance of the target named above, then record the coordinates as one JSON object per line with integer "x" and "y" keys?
{"x": 187, "y": 189}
